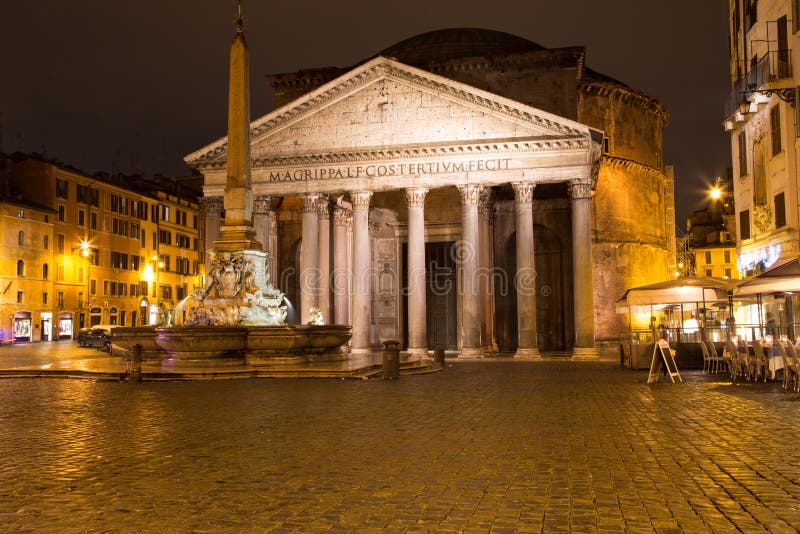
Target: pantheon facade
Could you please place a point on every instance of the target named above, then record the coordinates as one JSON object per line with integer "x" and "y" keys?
{"x": 464, "y": 189}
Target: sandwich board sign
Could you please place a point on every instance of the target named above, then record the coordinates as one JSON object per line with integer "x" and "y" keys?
{"x": 663, "y": 355}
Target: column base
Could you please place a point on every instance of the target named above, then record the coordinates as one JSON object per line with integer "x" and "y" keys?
{"x": 471, "y": 352}
{"x": 420, "y": 353}
{"x": 585, "y": 354}
{"x": 528, "y": 354}
{"x": 362, "y": 352}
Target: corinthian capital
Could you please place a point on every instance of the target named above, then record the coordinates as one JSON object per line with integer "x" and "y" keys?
{"x": 341, "y": 216}
{"x": 577, "y": 189}
{"x": 212, "y": 206}
{"x": 416, "y": 197}
{"x": 262, "y": 204}
{"x": 523, "y": 191}
{"x": 470, "y": 194}
{"x": 309, "y": 202}
{"x": 360, "y": 199}
{"x": 323, "y": 208}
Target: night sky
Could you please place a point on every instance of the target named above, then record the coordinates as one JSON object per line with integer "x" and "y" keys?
{"x": 94, "y": 83}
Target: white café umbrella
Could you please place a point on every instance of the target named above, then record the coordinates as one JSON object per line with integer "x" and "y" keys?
{"x": 784, "y": 276}
{"x": 677, "y": 291}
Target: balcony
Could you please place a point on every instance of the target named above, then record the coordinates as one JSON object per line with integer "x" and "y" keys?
{"x": 772, "y": 67}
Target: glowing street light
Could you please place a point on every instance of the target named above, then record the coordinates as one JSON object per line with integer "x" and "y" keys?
{"x": 150, "y": 276}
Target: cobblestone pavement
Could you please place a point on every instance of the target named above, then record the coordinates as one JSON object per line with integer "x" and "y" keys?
{"x": 483, "y": 446}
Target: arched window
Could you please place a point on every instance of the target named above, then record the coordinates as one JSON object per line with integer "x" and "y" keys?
{"x": 20, "y": 268}
{"x": 46, "y": 242}
{"x": 44, "y": 271}
{"x": 21, "y": 238}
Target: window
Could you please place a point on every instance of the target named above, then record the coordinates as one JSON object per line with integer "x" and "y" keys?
{"x": 46, "y": 242}
{"x": 708, "y": 257}
{"x": 21, "y": 238}
{"x": 119, "y": 227}
{"x": 744, "y": 224}
{"x": 81, "y": 275}
{"x": 775, "y": 123}
{"x": 93, "y": 287}
{"x": 780, "y": 210}
{"x": 119, "y": 260}
{"x": 94, "y": 198}
{"x": 795, "y": 16}
{"x": 709, "y": 272}
{"x": 44, "y": 298}
{"x": 164, "y": 237}
{"x": 93, "y": 221}
{"x": 750, "y": 13}
{"x": 182, "y": 241}
{"x": 61, "y": 272}
{"x": 60, "y": 243}
{"x": 727, "y": 273}
{"x": 62, "y": 188}
{"x": 60, "y": 300}
{"x": 19, "y": 297}
{"x": 20, "y": 268}
{"x": 135, "y": 262}
{"x": 194, "y": 217}
{"x": 62, "y": 213}
{"x": 82, "y": 193}
{"x": 134, "y": 290}
{"x": 81, "y": 218}
{"x": 727, "y": 255}
{"x": 81, "y": 301}
{"x": 742, "y": 154}
{"x": 21, "y": 213}
{"x": 45, "y": 270}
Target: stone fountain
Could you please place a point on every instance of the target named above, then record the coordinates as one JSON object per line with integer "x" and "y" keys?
{"x": 239, "y": 317}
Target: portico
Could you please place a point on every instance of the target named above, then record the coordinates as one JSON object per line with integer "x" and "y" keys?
{"x": 387, "y": 160}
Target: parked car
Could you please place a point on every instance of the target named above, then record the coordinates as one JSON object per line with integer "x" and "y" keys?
{"x": 95, "y": 336}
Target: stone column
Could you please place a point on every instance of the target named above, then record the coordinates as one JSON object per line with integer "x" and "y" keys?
{"x": 261, "y": 207}
{"x": 525, "y": 277}
{"x": 467, "y": 255}
{"x": 324, "y": 248}
{"x": 362, "y": 268}
{"x": 486, "y": 264}
{"x": 213, "y": 220}
{"x": 341, "y": 274}
{"x": 580, "y": 194}
{"x": 309, "y": 270}
{"x": 274, "y": 259}
{"x": 417, "y": 317}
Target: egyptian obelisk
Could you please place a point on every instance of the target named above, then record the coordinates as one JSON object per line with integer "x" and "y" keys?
{"x": 237, "y": 232}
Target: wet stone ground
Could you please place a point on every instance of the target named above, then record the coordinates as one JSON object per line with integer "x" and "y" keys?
{"x": 483, "y": 446}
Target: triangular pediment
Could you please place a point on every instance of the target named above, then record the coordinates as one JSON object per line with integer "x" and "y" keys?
{"x": 385, "y": 105}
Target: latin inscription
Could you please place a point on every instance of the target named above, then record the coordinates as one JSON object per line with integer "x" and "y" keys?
{"x": 392, "y": 169}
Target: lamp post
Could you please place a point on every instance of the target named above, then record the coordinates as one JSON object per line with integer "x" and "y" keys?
{"x": 85, "y": 252}
{"x": 151, "y": 273}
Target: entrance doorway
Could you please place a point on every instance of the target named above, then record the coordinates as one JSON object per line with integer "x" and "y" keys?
{"x": 440, "y": 296}
{"x": 553, "y": 319}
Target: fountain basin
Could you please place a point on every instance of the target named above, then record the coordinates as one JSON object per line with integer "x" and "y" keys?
{"x": 219, "y": 346}
{"x": 285, "y": 344}
{"x": 123, "y": 340}
{"x": 202, "y": 346}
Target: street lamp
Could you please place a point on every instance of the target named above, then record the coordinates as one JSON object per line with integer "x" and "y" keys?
{"x": 150, "y": 276}
{"x": 85, "y": 252}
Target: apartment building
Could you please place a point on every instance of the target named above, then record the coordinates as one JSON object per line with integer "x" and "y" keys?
{"x": 82, "y": 250}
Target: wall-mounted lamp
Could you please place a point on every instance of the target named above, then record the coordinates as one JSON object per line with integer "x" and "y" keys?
{"x": 787, "y": 94}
